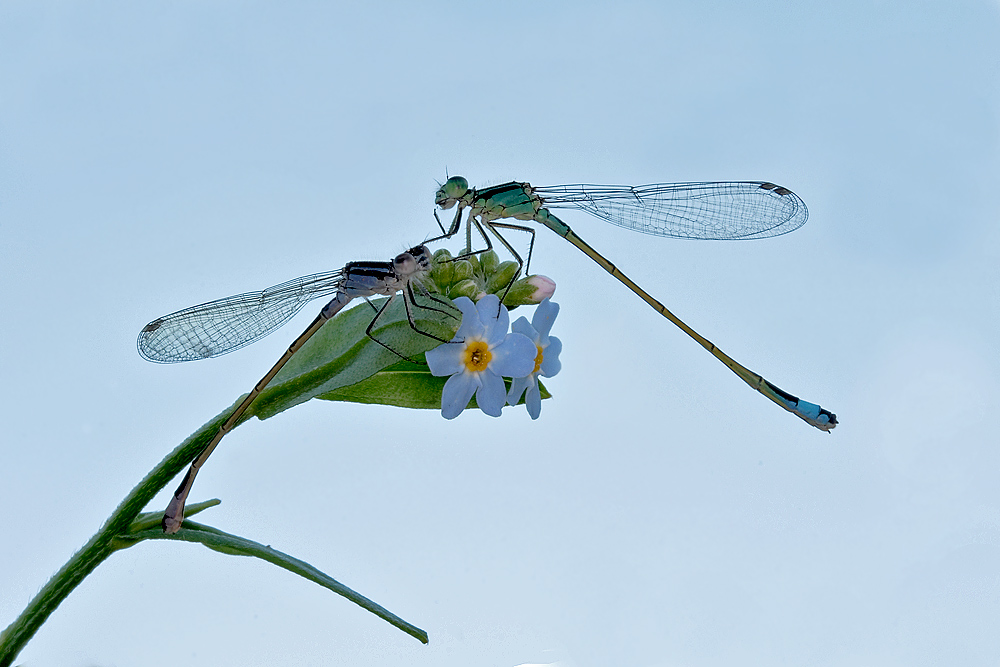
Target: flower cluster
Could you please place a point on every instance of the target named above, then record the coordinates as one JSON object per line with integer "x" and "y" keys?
{"x": 482, "y": 353}
{"x": 476, "y": 275}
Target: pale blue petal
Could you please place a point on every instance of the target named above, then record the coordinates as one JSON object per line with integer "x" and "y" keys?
{"x": 494, "y": 317}
{"x": 523, "y": 326}
{"x": 492, "y": 394}
{"x": 446, "y": 359}
{"x": 471, "y": 327}
{"x": 457, "y": 393}
{"x": 543, "y": 318}
{"x": 550, "y": 358}
{"x": 514, "y": 357}
{"x": 517, "y": 387}
{"x": 533, "y": 399}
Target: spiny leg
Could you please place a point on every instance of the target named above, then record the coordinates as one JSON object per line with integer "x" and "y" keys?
{"x": 412, "y": 299}
{"x": 492, "y": 226}
{"x": 371, "y": 325}
{"x": 521, "y": 228}
{"x": 469, "y": 252}
{"x": 409, "y": 316}
{"x": 473, "y": 219}
{"x": 455, "y": 226}
{"x": 426, "y": 293}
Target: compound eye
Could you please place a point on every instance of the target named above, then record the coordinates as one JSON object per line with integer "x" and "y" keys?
{"x": 453, "y": 189}
{"x": 404, "y": 263}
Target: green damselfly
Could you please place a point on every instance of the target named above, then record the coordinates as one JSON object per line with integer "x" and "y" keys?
{"x": 723, "y": 210}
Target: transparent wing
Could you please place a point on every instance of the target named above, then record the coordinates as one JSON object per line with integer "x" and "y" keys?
{"x": 221, "y": 326}
{"x": 735, "y": 210}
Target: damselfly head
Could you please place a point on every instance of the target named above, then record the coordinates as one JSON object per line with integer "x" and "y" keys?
{"x": 453, "y": 189}
{"x": 422, "y": 254}
{"x": 417, "y": 258}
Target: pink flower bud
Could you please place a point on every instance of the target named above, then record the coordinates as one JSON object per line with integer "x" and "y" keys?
{"x": 544, "y": 287}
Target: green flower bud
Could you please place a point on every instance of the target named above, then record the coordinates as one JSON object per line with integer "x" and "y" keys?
{"x": 443, "y": 270}
{"x": 501, "y": 277}
{"x": 527, "y": 291}
{"x": 468, "y": 288}
{"x": 463, "y": 270}
{"x": 489, "y": 262}
{"x": 473, "y": 261}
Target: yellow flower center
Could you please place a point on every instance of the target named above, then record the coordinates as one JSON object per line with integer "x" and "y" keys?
{"x": 477, "y": 356}
{"x": 538, "y": 359}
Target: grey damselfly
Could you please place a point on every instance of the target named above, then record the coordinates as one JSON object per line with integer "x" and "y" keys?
{"x": 221, "y": 326}
{"x": 725, "y": 210}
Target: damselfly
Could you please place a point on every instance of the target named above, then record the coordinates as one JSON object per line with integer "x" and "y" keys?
{"x": 221, "y": 326}
{"x": 734, "y": 210}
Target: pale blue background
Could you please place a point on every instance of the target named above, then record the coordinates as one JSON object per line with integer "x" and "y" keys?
{"x": 659, "y": 512}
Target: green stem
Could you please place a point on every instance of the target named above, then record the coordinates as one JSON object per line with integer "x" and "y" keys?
{"x": 101, "y": 545}
{"x": 344, "y": 360}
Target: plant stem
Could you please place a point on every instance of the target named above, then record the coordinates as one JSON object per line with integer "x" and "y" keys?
{"x": 101, "y": 545}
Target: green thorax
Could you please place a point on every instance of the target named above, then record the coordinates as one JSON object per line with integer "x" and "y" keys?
{"x": 513, "y": 200}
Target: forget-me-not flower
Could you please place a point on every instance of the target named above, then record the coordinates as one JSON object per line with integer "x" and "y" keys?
{"x": 547, "y": 361}
{"x": 480, "y": 355}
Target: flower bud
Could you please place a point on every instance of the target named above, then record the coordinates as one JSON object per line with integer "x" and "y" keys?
{"x": 544, "y": 287}
{"x": 501, "y": 276}
{"x": 488, "y": 262}
{"x": 529, "y": 291}
{"x": 463, "y": 270}
{"x": 443, "y": 269}
{"x": 467, "y": 287}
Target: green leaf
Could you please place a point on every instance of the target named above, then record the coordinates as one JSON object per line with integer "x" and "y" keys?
{"x": 148, "y": 520}
{"x": 340, "y": 354}
{"x": 233, "y": 545}
{"x": 406, "y": 385}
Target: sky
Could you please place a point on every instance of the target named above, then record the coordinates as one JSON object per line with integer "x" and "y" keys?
{"x": 659, "y": 512}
